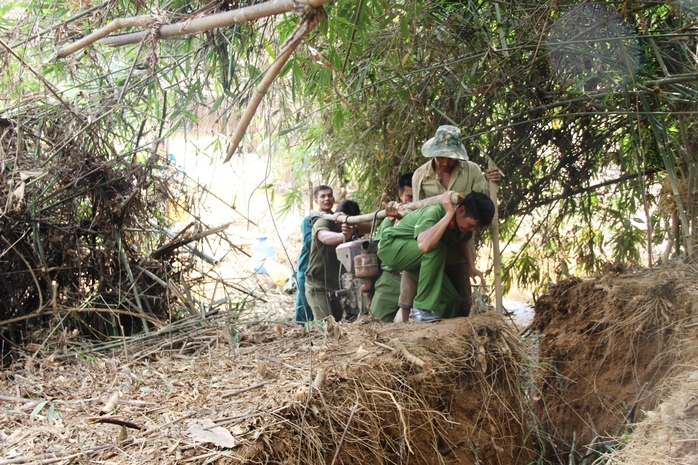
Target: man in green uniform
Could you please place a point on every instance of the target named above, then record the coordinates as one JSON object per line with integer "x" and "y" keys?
{"x": 419, "y": 244}
{"x": 384, "y": 304}
{"x": 449, "y": 168}
{"x": 322, "y": 274}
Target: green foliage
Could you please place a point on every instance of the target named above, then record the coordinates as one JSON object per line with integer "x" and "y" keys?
{"x": 568, "y": 99}
{"x": 51, "y": 413}
{"x": 625, "y": 241}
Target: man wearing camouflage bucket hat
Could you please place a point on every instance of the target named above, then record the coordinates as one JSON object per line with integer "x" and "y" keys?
{"x": 449, "y": 169}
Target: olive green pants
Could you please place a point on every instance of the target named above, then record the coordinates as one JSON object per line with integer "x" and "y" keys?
{"x": 387, "y": 291}
{"x": 456, "y": 272}
{"x": 322, "y": 301}
{"x": 435, "y": 292}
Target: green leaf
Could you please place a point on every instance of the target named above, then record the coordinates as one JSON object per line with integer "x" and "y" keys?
{"x": 37, "y": 409}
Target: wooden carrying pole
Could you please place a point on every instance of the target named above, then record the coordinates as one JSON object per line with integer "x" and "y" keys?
{"x": 405, "y": 208}
{"x": 499, "y": 308}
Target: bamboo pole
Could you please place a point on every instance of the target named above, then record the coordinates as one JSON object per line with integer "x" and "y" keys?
{"x": 406, "y": 208}
{"x": 119, "y": 23}
{"x": 134, "y": 285}
{"x": 185, "y": 27}
{"x": 499, "y": 308}
{"x": 287, "y": 49}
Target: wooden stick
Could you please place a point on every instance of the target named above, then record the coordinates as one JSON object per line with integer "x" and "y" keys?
{"x": 406, "y": 208}
{"x": 179, "y": 242}
{"x": 499, "y": 308}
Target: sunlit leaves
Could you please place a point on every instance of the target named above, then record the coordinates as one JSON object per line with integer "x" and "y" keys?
{"x": 558, "y": 110}
{"x": 627, "y": 243}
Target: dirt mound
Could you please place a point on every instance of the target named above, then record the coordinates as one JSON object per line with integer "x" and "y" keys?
{"x": 365, "y": 392}
{"x": 607, "y": 351}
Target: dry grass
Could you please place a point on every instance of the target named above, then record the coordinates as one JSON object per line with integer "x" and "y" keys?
{"x": 373, "y": 406}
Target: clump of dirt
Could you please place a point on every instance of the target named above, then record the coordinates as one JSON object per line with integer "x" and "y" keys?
{"x": 608, "y": 348}
{"x": 365, "y": 392}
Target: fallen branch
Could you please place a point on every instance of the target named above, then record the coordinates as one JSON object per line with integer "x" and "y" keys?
{"x": 172, "y": 245}
{"x": 115, "y": 421}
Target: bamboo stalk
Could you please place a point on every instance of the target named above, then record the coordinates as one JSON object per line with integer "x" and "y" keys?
{"x": 287, "y": 49}
{"x": 190, "y": 25}
{"x": 134, "y": 285}
{"x": 406, "y": 208}
{"x": 115, "y": 25}
{"x": 671, "y": 174}
{"x": 494, "y": 187}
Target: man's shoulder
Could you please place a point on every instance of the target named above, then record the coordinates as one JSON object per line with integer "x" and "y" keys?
{"x": 425, "y": 212}
{"x": 320, "y": 223}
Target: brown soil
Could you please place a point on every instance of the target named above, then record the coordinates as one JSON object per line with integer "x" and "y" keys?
{"x": 616, "y": 377}
{"x": 607, "y": 351}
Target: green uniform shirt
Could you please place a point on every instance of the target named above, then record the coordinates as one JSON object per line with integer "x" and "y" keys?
{"x": 323, "y": 264}
{"x": 420, "y": 220}
{"x": 466, "y": 177}
{"x": 387, "y": 223}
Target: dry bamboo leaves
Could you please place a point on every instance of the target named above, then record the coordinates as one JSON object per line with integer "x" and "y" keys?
{"x": 207, "y": 431}
{"x": 321, "y": 385}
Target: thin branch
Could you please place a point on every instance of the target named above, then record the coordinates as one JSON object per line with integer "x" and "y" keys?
{"x": 592, "y": 188}
{"x": 308, "y": 24}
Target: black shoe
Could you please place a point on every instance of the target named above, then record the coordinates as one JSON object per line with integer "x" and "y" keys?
{"x": 422, "y": 316}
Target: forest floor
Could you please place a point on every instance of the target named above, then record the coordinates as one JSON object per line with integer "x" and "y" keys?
{"x": 608, "y": 369}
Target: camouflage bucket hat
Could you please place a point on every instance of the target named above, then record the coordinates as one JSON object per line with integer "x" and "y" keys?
{"x": 446, "y": 143}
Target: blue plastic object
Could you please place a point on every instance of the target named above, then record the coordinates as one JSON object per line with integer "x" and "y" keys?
{"x": 262, "y": 249}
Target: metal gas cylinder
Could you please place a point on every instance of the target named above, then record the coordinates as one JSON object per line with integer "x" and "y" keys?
{"x": 366, "y": 265}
